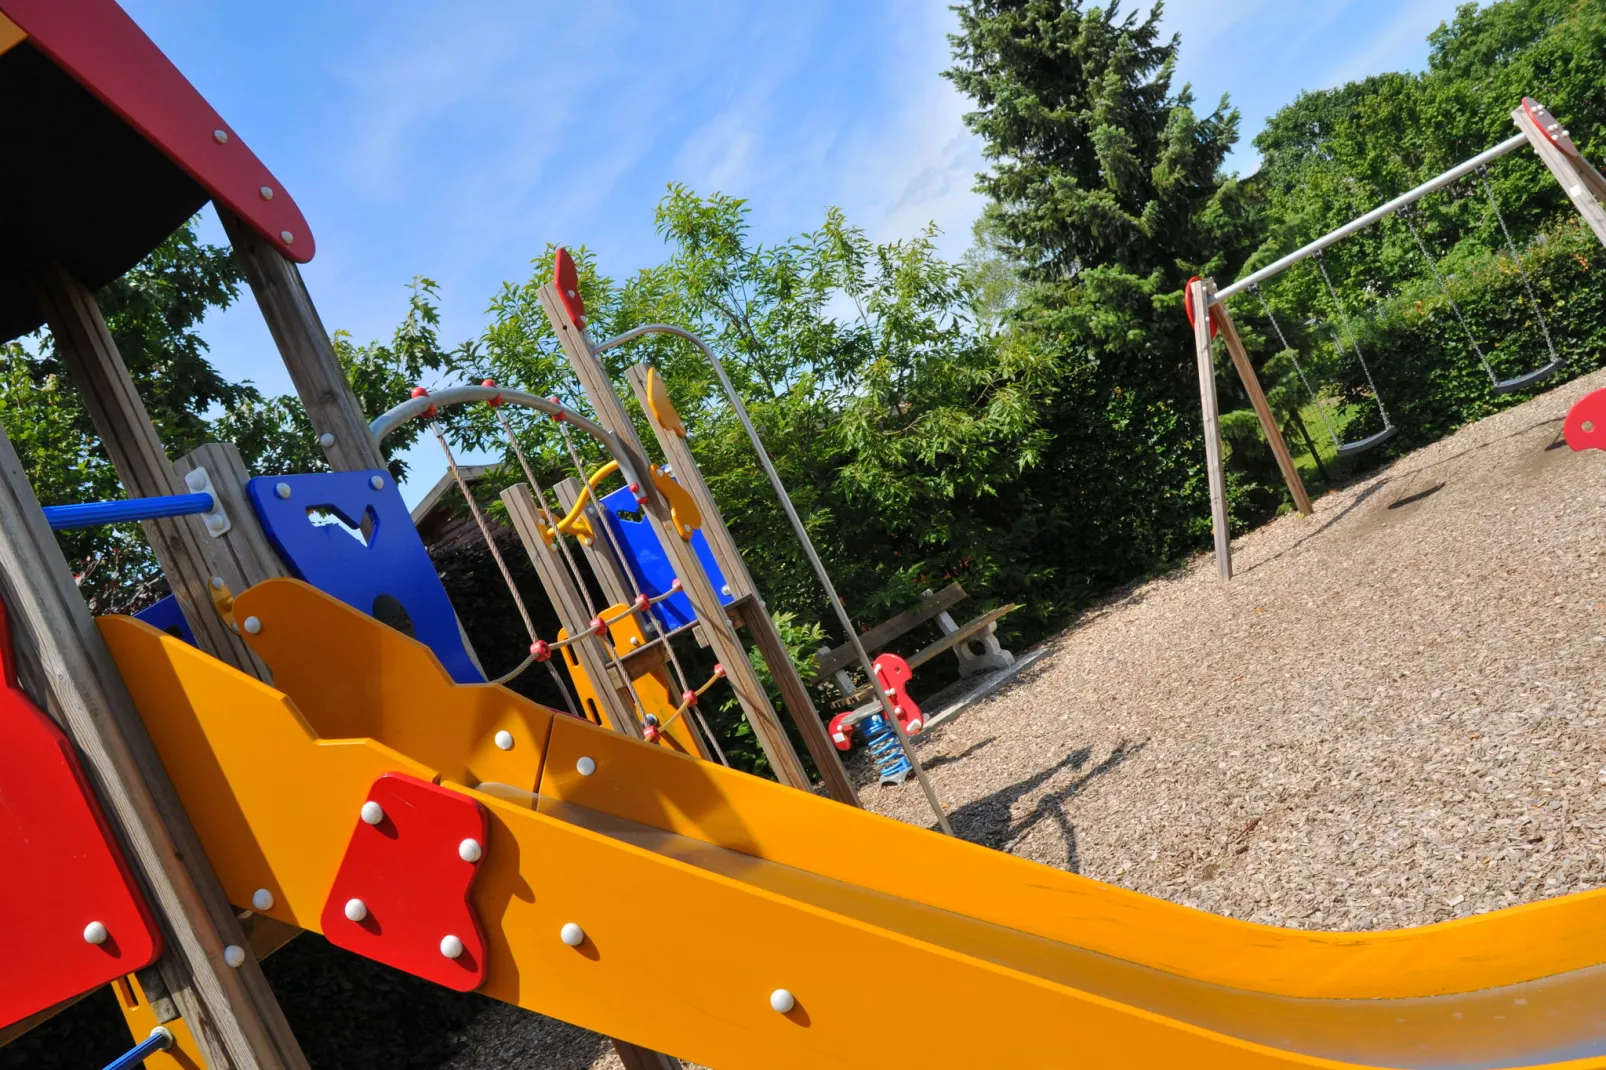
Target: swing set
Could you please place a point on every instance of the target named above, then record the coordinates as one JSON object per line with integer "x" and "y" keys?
{"x": 1207, "y": 309}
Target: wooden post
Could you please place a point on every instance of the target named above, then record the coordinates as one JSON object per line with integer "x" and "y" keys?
{"x": 182, "y": 544}
{"x": 308, "y": 354}
{"x": 1583, "y": 184}
{"x": 612, "y": 576}
{"x": 722, "y": 638}
{"x": 755, "y": 615}
{"x": 1199, "y": 299}
{"x": 67, "y": 669}
{"x": 566, "y": 598}
{"x": 1257, "y": 398}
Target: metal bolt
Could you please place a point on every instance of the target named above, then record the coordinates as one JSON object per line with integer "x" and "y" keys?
{"x": 253, "y": 625}
{"x": 286, "y": 237}
{"x": 1587, "y": 426}
{"x": 572, "y": 935}
{"x": 377, "y": 482}
{"x": 635, "y": 640}
{"x": 217, "y": 583}
{"x": 504, "y": 740}
{"x": 586, "y": 766}
{"x": 262, "y": 899}
{"x": 356, "y": 910}
{"x": 234, "y": 956}
{"x": 95, "y": 933}
{"x": 326, "y": 440}
{"x": 220, "y": 136}
{"x": 725, "y": 590}
{"x": 782, "y": 1001}
{"x": 267, "y": 193}
{"x": 451, "y": 946}
{"x": 282, "y": 489}
{"x": 372, "y": 812}
{"x": 470, "y": 851}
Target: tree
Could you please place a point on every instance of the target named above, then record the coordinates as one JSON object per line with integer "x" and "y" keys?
{"x": 1106, "y": 187}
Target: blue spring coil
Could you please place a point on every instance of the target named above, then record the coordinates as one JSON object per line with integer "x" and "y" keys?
{"x": 885, "y": 750}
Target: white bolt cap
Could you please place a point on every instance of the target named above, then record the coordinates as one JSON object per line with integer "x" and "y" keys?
{"x": 451, "y": 946}
{"x": 95, "y": 933}
{"x": 253, "y": 625}
{"x": 782, "y": 1001}
{"x": 267, "y": 193}
{"x": 326, "y": 439}
{"x": 470, "y": 850}
{"x": 220, "y": 136}
{"x": 725, "y": 590}
{"x": 286, "y": 237}
{"x": 356, "y": 910}
{"x": 572, "y": 935}
{"x": 377, "y": 482}
{"x": 234, "y": 956}
{"x": 635, "y": 640}
{"x": 195, "y": 480}
{"x": 504, "y": 740}
{"x": 586, "y": 766}
{"x": 217, "y": 583}
{"x": 214, "y": 523}
{"x": 372, "y": 812}
{"x": 282, "y": 489}
{"x": 262, "y": 899}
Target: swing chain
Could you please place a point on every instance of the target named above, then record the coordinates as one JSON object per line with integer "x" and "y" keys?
{"x": 1343, "y": 318}
{"x": 1511, "y": 246}
{"x": 1444, "y": 288}
{"x": 1293, "y": 355}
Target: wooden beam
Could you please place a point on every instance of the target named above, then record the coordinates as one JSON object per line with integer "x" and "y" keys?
{"x": 186, "y": 551}
{"x": 309, "y": 355}
{"x": 66, "y": 668}
{"x": 1199, "y": 298}
{"x": 755, "y": 615}
{"x": 888, "y": 630}
{"x": 1583, "y": 184}
{"x": 1257, "y": 398}
{"x": 717, "y": 630}
{"x": 525, "y": 512}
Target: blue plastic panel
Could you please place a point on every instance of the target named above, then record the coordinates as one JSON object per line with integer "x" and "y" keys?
{"x": 650, "y": 567}
{"x": 392, "y": 571}
{"x": 167, "y": 616}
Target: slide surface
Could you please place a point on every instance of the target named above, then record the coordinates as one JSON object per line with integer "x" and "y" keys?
{"x": 701, "y": 891}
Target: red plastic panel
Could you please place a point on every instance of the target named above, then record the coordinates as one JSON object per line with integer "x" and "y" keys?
{"x": 1549, "y": 126}
{"x": 895, "y": 674}
{"x": 1585, "y": 426}
{"x": 411, "y": 874}
{"x": 61, "y": 872}
{"x": 567, "y": 280}
{"x": 107, "y": 53}
{"x": 1187, "y": 307}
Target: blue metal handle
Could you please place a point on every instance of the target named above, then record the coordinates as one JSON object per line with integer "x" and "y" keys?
{"x": 161, "y": 1039}
{"x": 93, "y": 514}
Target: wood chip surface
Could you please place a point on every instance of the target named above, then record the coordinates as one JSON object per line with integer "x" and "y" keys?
{"x": 1391, "y": 716}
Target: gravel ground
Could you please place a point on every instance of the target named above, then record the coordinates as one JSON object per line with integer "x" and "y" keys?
{"x": 1391, "y": 716}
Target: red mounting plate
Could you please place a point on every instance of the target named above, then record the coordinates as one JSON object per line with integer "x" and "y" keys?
{"x": 1585, "y": 426}
{"x": 109, "y": 55}
{"x": 567, "y": 279}
{"x": 61, "y": 870}
{"x": 1187, "y": 306}
{"x": 412, "y": 877}
{"x": 1548, "y": 126}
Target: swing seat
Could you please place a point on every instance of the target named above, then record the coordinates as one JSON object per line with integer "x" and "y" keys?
{"x": 1522, "y": 382}
{"x": 1361, "y": 445}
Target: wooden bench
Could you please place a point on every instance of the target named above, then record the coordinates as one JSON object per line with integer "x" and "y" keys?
{"x": 934, "y": 605}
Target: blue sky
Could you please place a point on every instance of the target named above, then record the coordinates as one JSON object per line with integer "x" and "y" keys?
{"x": 455, "y": 140}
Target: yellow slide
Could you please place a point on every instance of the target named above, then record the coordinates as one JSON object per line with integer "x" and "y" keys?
{"x": 742, "y": 924}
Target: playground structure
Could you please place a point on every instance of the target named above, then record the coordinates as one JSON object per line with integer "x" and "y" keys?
{"x": 1207, "y": 311}
{"x": 302, "y": 760}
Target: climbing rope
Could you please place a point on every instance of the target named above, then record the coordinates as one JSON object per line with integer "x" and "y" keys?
{"x": 688, "y": 699}
{"x": 1343, "y": 318}
{"x": 1299, "y": 368}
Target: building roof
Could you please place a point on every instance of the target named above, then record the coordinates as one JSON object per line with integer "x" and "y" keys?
{"x": 109, "y": 149}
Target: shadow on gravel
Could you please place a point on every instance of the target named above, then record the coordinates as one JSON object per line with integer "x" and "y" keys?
{"x": 987, "y": 821}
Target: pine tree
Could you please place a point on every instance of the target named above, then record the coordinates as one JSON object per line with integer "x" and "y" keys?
{"x": 1109, "y": 191}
